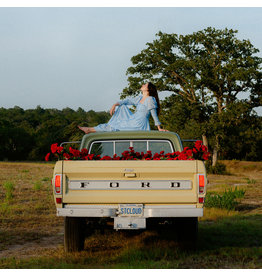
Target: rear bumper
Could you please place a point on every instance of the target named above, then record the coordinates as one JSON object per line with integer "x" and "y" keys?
{"x": 150, "y": 211}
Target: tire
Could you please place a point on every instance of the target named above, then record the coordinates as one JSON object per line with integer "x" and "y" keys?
{"x": 74, "y": 235}
{"x": 187, "y": 232}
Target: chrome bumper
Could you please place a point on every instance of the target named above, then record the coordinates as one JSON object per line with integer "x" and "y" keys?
{"x": 112, "y": 211}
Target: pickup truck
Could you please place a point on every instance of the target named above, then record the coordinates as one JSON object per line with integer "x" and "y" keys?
{"x": 129, "y": 194}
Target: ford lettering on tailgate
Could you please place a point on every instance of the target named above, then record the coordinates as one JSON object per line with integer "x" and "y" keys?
{"x": 130, "y": 185}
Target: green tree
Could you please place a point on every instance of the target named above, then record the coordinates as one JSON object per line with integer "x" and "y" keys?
{"x": 207, "y": 70}
{"x": 16, "y": 142}
{"x": 28, "y": 134}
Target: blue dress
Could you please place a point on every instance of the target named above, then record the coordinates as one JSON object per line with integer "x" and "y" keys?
{"x": 125, "y": 119}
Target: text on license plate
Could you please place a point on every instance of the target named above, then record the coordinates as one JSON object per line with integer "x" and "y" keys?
{"x": 131, "y": 210}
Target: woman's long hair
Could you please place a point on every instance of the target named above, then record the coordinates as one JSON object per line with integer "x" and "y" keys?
{"x": 153, "y": 92}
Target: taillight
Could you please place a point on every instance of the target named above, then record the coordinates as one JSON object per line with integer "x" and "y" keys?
{"x": 58, "y": 183}
{"x": 201, "y": 200}
{"x": 201, "y": 183}
{"x": 58, "y": 200}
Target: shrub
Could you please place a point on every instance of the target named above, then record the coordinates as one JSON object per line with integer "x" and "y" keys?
{"x": 37, "y": 186}
{"x": 225, "y": 201}
{"x": 251, "y": 181}
{"x": 219, "y": 168}
{"x": 45, "y": 179}
{"x": 9, "y": 188}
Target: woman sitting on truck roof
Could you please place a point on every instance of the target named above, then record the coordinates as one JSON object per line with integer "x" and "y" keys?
{"x": 124, "y": 119}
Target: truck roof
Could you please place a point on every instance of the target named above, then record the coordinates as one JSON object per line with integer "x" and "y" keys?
{"x": 132, "y": 135}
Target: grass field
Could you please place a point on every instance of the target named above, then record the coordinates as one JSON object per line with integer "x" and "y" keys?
{"x": 31, "y": 235}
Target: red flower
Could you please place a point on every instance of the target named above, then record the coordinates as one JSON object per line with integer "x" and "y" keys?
{"x": 91, "y": 156}
{"x": 206, "y": 156}
{"x": 47, "y": 157}
{"x": 106, "y": 157}
{"x": 198, "y": 144}
{"x": 98, "y": 157}
{"x": 182, "y": 156}
{"x": 67, "y": 156}
{"x": 199, "y": 151}
{"x": 74, "y": 152}
{"x": 54, "y": 148}
{"x": 59, "y": 150}
{"x": 84, "y": 152}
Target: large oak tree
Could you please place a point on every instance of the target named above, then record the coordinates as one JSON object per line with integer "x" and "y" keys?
{"x": 208, "y": 70}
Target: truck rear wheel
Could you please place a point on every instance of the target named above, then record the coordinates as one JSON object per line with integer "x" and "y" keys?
{"x": 187, "y": 232}
{"x": 74, "y": 235}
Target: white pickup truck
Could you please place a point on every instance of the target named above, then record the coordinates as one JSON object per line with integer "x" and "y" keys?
{"x": 129, "y": 194}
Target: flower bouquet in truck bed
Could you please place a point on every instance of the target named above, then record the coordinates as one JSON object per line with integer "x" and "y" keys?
{"x": 197, "y": 152}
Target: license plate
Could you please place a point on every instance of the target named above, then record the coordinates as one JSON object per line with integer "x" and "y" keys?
{"x": 129, "y": 223}
{"x": 131, "y": 210}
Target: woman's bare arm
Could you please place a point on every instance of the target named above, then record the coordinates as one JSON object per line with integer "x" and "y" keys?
{"x": 112, "y": 110}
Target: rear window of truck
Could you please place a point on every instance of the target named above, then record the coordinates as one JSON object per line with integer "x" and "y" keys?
{"x": 117, "y": 147}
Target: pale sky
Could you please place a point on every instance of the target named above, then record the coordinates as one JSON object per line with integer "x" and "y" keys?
{"x": 78, "y": 57}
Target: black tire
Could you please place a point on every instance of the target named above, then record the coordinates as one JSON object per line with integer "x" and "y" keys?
{"x": 187, "y": 232}
{"x": 74, "y": 235}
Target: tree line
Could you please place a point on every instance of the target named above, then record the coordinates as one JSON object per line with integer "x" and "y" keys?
{"x": 28, "y": 134}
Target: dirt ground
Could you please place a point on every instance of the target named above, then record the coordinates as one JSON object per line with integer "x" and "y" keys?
{"x": 29, "y": 226}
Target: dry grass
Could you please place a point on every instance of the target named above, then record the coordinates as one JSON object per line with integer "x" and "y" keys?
{"x": 214, "y": 214}
{"x": 245, "y": 175}
{"x": 30, "y": 215}
{"x": 31, "y": 235}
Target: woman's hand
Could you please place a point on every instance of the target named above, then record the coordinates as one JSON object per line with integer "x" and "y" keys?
{"x": 112, "y": 110}
{"x": 161, "y": 129}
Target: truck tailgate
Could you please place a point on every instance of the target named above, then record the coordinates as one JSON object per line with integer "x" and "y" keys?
{"x": 107, "y": 182}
